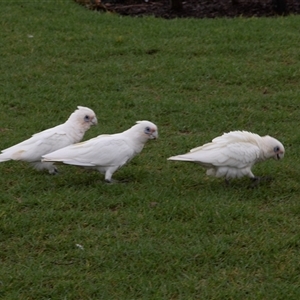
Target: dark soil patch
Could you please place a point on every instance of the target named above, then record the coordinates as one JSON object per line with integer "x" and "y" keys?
{"x": 196, "y": 8}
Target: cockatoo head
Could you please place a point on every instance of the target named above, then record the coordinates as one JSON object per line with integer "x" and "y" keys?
{"x": 147, "y": 129}
{"x": 274, "y": 148}
{"x": 84, "y": 116}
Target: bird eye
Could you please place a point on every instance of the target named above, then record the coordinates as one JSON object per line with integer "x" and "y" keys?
{"x": 86, "y": 118}
{"x": 147, "y": 130}
{"x": 276, "y": 149}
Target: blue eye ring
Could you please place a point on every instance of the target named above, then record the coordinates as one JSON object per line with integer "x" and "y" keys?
{"x": 276, "y": 149}
{"x": 86, "y": 118}
{"x": 147, "y": 130}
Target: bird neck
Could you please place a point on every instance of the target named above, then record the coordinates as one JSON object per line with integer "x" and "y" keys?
{"x": 76, "y": 130}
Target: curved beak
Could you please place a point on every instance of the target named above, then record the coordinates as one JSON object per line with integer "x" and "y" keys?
{"x": 279, "y": 155}
{"x": 94, "y": 121}
{"x": 154, "y": 134}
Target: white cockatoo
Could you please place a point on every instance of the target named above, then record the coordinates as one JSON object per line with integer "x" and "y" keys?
{"x": 106, "y": 153}
{"x": 49, "y": 140}
{"x": 233, "y": 154}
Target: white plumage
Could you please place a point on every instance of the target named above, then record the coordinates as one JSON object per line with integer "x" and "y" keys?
{"x": 70, "y": 132}
{"x": 233, "y": 154}
{"x": 106, "y": 153}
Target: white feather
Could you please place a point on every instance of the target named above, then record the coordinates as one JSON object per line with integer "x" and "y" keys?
{"x": 106, "y": 153}
{"x": 233, "y": 154}
{"x": 70, "y": 132}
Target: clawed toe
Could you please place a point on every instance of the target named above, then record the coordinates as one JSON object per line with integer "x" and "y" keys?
{"x": 53, "y": 171}
{"x": 257, "y": 180}
{"x": 112, "y": 181}
{"x": 227, "y": 182}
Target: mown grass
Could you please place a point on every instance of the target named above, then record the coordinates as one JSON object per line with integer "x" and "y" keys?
{"x": 171, "y": 232}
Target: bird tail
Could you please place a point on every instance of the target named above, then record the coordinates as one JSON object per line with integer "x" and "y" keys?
{"x": 48, "y": 159}
{"x": 4, "y": 157}
{"x": 180, "y": 158}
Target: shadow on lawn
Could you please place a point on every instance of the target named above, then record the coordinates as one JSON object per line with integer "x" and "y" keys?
{"x": 196, "y": 8}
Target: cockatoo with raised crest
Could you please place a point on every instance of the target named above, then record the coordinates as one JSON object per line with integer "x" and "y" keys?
{"x": 49, "y": 140}
{"x": 106, "y": 153}
{"x": 233, "y": 154}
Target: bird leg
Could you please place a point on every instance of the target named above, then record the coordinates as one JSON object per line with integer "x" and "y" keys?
{"x": 112, "y": 181}
{"x": 54, "y": 171}
{"x": 256, "y": 180}
{"x": 227, "y": 182}
{"x": 108, "y": 177}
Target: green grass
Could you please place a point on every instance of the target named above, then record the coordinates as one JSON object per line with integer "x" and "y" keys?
{"x": 171, "y": 232}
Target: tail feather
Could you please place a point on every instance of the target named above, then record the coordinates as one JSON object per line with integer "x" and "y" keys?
{"x": 12, "y": 155}
{"x": 4, "y": 157}
{"x": 180, "y": 158}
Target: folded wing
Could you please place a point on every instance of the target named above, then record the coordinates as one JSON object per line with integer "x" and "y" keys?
{"x": 103, "y": 150}
{"x": 237, "y": 155}
{"x": 33, "y": 148}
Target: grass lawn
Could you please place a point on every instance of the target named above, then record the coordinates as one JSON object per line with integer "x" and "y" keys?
{"x": 171, "y": 232}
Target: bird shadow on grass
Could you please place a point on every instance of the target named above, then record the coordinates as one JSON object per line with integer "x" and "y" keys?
{"x": 242, "y": 184}
{"x": 84, "y": 177}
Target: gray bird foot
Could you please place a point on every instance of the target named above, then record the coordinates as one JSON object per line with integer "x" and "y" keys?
{"x": 110, "y": 181}
{"x": 53, "y": 172}
{"x": 227, "y": 182}
{"x": 113, "y": 181}
{"x": 257, "y": 180}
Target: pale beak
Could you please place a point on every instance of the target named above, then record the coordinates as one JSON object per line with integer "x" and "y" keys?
{"x": 94, "y": 121}
{"x": 279, "y": 155}
{"x": 154, "y": 134}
